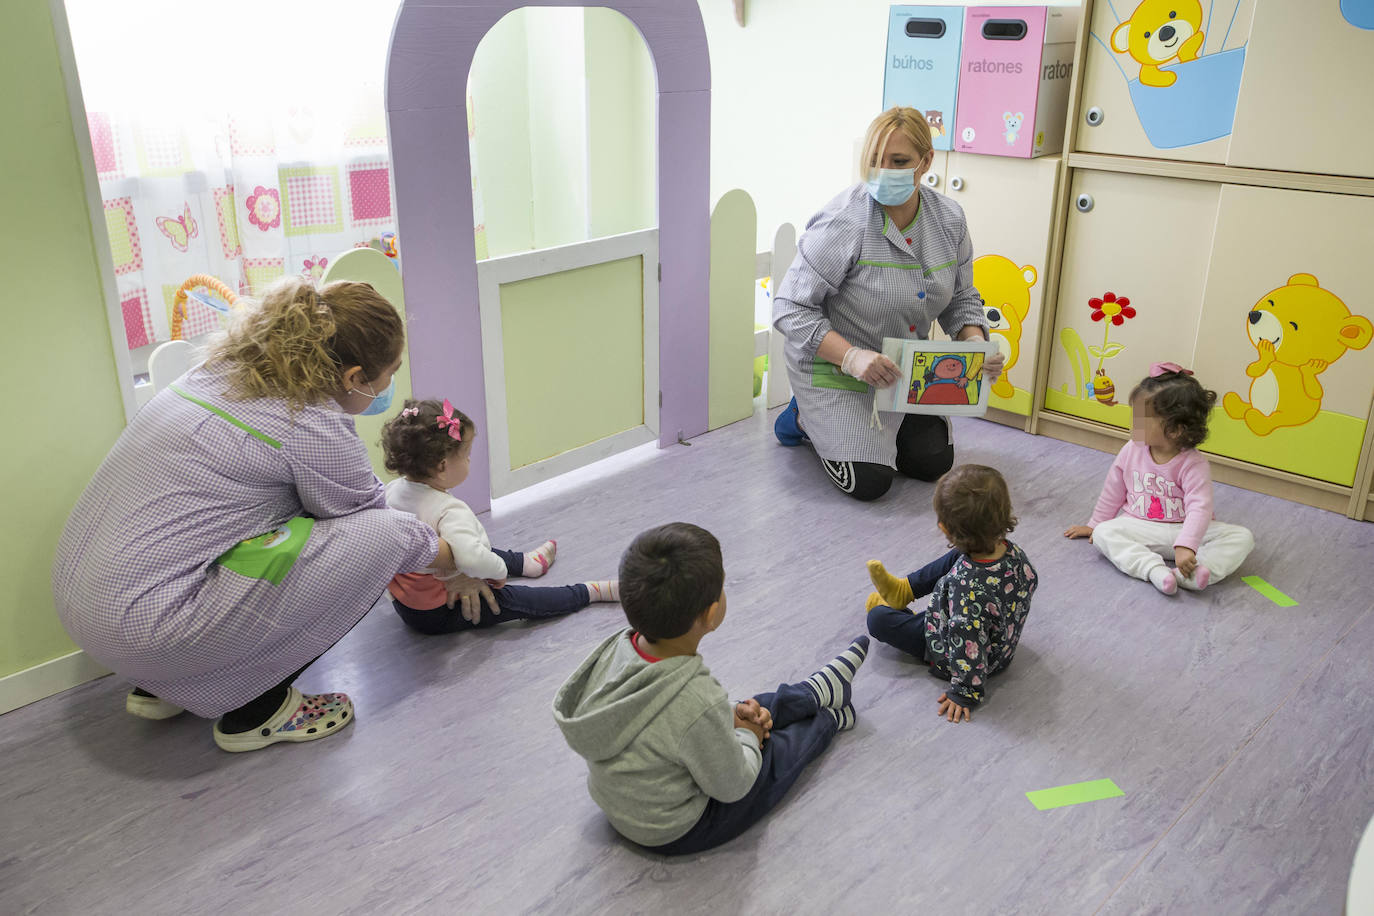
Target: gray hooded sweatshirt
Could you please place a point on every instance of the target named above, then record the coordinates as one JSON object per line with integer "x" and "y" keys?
{"x": 658, "y": 737}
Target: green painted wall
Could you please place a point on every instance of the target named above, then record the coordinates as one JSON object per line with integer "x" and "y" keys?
{"x": 500, "y": 92}
{"x": 622, "y": 98}
{"x": 62, "y": 410}
{"x": 574, "y": 355}
{"x": 565, "y": 105}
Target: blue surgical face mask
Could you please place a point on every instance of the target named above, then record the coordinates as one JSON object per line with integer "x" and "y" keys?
{"x": 380, "y": 402}
{"x": 892, "y": 187}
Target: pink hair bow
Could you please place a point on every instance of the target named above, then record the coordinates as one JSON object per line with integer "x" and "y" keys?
{"x": 411, "y": 412}
{"x": 1158, "y": 369}
{"x": 450, "y": 422}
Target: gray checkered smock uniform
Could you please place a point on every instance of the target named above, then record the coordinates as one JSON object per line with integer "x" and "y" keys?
{"x": 135, "y": 579}
{"x": 859, "y": 275}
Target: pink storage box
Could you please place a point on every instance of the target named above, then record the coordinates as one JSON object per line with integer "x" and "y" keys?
{"x": 1014, "y": 80}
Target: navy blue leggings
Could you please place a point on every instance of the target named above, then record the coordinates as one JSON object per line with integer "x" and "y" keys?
{"x": 801, "y": 731}
{"x": 517, "y": 602}
{"x": 899, "y": 627}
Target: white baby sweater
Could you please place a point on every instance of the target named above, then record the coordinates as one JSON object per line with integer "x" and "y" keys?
{"x": 455, "y": 522}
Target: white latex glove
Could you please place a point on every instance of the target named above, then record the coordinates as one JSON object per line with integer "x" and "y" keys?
{"x": 870, "y": 366}
{"x": 993, "y": 365}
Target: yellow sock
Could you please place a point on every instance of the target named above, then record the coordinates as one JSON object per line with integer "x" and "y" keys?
{"x": 895, "y": 592}
{"x": 874, "y": 599}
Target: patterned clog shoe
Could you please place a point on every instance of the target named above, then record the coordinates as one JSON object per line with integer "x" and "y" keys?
{"x": 302, "y": 717}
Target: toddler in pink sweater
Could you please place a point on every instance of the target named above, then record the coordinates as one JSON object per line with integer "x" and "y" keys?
{"x": 1158, "y": 494}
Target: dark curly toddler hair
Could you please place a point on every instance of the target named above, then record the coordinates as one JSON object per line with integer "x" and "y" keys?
{"x": 973, "y": 504}
{"x": 414, "y": 441}
{"x": 1180, "y": 402}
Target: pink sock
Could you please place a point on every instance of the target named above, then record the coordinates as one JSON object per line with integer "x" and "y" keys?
{"x": 538, "y": 560}
{"x": 1201, "y": 576}
{"x": 1162, "y": 578}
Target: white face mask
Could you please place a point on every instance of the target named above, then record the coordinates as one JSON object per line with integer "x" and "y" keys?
{"x": 892, "y": 187}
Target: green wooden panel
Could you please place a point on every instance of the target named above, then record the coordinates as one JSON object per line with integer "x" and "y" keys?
{"x": 732, "y": 310}
{"x": 368, "y": 265}
{"x": 573, "y": 344}
{"x": 59, "y": 353}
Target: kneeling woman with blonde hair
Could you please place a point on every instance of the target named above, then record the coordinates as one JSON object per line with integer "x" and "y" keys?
{"x": 884, "y": 258}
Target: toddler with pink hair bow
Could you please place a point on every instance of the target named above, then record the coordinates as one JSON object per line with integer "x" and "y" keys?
{"x": 430, "y": 445}
{"x": 1157, "y": 499}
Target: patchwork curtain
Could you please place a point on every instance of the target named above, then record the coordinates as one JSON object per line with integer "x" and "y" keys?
{"x": 245, "y": 141}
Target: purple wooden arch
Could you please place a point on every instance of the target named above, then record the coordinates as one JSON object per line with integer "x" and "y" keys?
{"x": 432, "y": 46}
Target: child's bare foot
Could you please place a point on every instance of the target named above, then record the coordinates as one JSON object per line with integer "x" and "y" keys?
{"x": 538, "y": 560}
{"x": 604, "y": 590}
{"x": 1163, "y": 578}
{"x": 896, "y": 592}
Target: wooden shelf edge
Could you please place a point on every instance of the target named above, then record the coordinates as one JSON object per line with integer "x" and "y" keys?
{"x": 1221, "y": 174}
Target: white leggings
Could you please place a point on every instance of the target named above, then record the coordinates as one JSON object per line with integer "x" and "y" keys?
{"x": 1137, "y": 546}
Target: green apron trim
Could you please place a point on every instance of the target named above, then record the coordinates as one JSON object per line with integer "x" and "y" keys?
{"x": 269, "y": 556}
{"x": 920, "y": 205}
{"x": 892, "y": 264}
{"x": 887, "y": 220}
{"x": 942, "y": 266}
{"x": 828, "y": 375}
{"x": 223, "y": 415}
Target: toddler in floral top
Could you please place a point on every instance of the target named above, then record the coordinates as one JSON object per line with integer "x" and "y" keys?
{"x": 980, "y": 592}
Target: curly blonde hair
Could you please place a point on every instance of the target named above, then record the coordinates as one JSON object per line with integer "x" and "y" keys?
{"x": 297, "y": 341}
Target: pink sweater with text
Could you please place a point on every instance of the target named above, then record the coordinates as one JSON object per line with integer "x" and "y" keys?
{"x": 1177, "y": 492}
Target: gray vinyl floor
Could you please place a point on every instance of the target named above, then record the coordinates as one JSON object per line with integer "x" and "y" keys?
{"x": 1241, "y": 732}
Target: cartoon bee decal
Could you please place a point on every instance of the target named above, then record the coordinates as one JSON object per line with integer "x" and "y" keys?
{"x": 1103, "y": 388}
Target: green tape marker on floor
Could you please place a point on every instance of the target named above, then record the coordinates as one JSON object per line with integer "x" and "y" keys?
{"x": 1268, "y": 591}
{"x": 1074, "y": 794}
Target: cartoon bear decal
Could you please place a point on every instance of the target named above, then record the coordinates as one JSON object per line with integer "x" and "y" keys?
{"x": 1005, "y": 289}
{"x": 1158, "y": 32}
{"x": 1298, "y": 330}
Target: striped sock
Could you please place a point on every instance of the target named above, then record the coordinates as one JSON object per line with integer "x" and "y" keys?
{"x": 604, "y": 590}
{"x": 844, "y": 717}
{"x": 538, "y": 560}
{"x": 831, "y": 684}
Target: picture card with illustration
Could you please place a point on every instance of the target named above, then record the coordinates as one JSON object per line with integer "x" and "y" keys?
{"x": 937, "y": 377}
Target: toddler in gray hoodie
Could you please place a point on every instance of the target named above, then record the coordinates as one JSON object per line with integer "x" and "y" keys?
{"x": 675, "y": 766}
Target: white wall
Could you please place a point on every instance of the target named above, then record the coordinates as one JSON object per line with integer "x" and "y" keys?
{"x": 791, "y": 93}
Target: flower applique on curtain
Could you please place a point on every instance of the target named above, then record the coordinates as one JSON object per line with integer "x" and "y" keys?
{"x": 245, "y": 173}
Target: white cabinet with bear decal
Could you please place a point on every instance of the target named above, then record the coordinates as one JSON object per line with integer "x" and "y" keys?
{"x": 1161, "y": 78}
{"x": 1234, "y": 82}
{"x": 1009, "y": 204}
{"x": 1260, "y": 291}
{"x": 1285, "y": 332}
